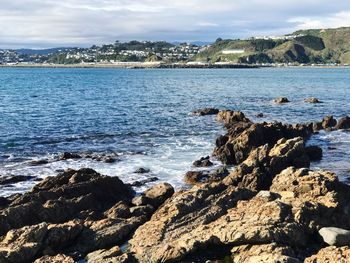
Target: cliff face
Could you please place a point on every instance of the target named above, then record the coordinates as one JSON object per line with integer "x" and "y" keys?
{"x": 304, "y": 46}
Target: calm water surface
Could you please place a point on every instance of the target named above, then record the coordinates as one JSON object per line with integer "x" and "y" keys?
{"x": 143, "y": 116}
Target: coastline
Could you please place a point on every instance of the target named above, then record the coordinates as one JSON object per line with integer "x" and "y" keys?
{"x": 270, "y": 207}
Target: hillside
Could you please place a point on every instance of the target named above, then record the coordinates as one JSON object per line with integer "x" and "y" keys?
{"x": 304, "y": 46}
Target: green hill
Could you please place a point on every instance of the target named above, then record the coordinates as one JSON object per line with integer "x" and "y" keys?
{"x": 303, "y": 46}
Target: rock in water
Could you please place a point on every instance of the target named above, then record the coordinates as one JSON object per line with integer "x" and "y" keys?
{"x": 203, "y": 162}
{"x": 314, "y": 152}
{"x": 206, "y": 111}
{"x": 343, "y": 123}
{"x": 312, "y": 100}
{"x": 334, "y": 236}
{"x": 328, "y": 122}
{"x": 281, "y": 100}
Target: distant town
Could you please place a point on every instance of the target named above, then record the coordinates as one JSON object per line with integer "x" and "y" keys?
{"x": 133, "y": 51}
{"x": 313, "y": 47}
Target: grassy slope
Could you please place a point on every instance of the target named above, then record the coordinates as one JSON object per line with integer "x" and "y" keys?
{"x": 317, "y": 46}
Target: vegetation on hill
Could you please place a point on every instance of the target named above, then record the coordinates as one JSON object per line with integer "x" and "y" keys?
{"x": 304, "y": 46}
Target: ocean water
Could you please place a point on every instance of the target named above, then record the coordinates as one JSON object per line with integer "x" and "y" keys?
{"x": 143, "y": 116}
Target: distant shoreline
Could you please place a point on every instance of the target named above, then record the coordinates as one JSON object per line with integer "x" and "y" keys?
{"x": 154, "y": 65}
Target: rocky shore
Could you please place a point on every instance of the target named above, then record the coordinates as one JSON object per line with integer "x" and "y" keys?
{"x": 270, "y": 208}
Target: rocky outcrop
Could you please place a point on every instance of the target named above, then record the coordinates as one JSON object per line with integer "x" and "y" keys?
{"x": 71, "y": 215}
{"x": 206, "y": 111}
{"x": 243, "y": 136}
{"x": 329, "y": 122}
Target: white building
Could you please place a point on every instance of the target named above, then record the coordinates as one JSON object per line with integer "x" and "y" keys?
{"x": 232, "y": 51}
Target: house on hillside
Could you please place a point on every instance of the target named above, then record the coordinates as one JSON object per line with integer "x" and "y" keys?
{"x": 232, "y": 51}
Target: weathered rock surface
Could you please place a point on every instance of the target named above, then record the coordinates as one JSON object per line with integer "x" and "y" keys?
{"x": 60, "y": 258}
{"x": 68, "y": 216}
{"x": 199, "y": 177}
{"x": 269, "y": 253}
{"x": 244, "y": 136}
{"x": 330, "y": 255}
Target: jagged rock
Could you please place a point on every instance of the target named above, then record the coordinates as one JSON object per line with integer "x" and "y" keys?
{"x": 335, "y": 236}
{"x": 68, "y": 155}
{"x": 12, "y": 179}
{"x": 261, "y": 166}
{"x": 103, "y": 255}
{"x": 281, "y": 100}
{"x": 312, "y": 100}
{"x": 317, "y": 197}
{"x": 61, "y": 198}
{"x": 142, "y": 170}
{"x": 315, "y": 153}
{"x": 203, "y": 162}
{"x": 230, "y": 117}
{"x": 198, "y": 177}
{"x": 328, "y": 122}
{"x": 157, "y": 194}
{"x": 343, "y": 123}
{"x": 166, "y": 238}
{"x": 206, "y": 111}
{"x": 119, "y": 210}
{"x": 60, "y": 258}
{"x": 330, "y": 255}
{"x": 22, "y": 245}
{"x": 269, "y": 253}
{"x": 143, "y": 182}
{"x": 241, "y": 140}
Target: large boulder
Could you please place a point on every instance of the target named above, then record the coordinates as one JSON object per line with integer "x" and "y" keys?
{"x": 335, "y": 236}
{"x": 281, "y": 100}
{"x": 329, "y": 122}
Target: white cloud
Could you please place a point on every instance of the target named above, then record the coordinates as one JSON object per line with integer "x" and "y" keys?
{"x": 41, "y": 23}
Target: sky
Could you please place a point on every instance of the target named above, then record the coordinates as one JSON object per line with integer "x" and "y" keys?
{"x": 57, "y": 23}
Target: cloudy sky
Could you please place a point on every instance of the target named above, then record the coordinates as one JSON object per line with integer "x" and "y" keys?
{"x": 52, "y": 23}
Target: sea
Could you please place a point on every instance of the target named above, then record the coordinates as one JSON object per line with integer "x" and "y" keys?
{"x": 143, "y": 117}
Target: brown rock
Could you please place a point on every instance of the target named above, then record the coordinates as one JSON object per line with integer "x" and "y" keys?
{"x": 314, "y": 152}
{"x": 312, "y": 100}
{"x": 230, "y": 117}
{"x": 281, "y": 100}
{"x": 60, "y": 258}
{"x": 203, "y": 162}
{"x": 343, "y": 123}
{"x": 159, "y": 193}
{"x": 328, "y": 122}
{"x": 271, "y": 253}
{"x": 330, "y": 255}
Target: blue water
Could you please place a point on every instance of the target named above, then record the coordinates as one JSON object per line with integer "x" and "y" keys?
{"x": 143, "y": 115}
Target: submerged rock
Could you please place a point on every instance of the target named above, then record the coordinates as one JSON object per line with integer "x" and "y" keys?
{"x": 68, "y": 155}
